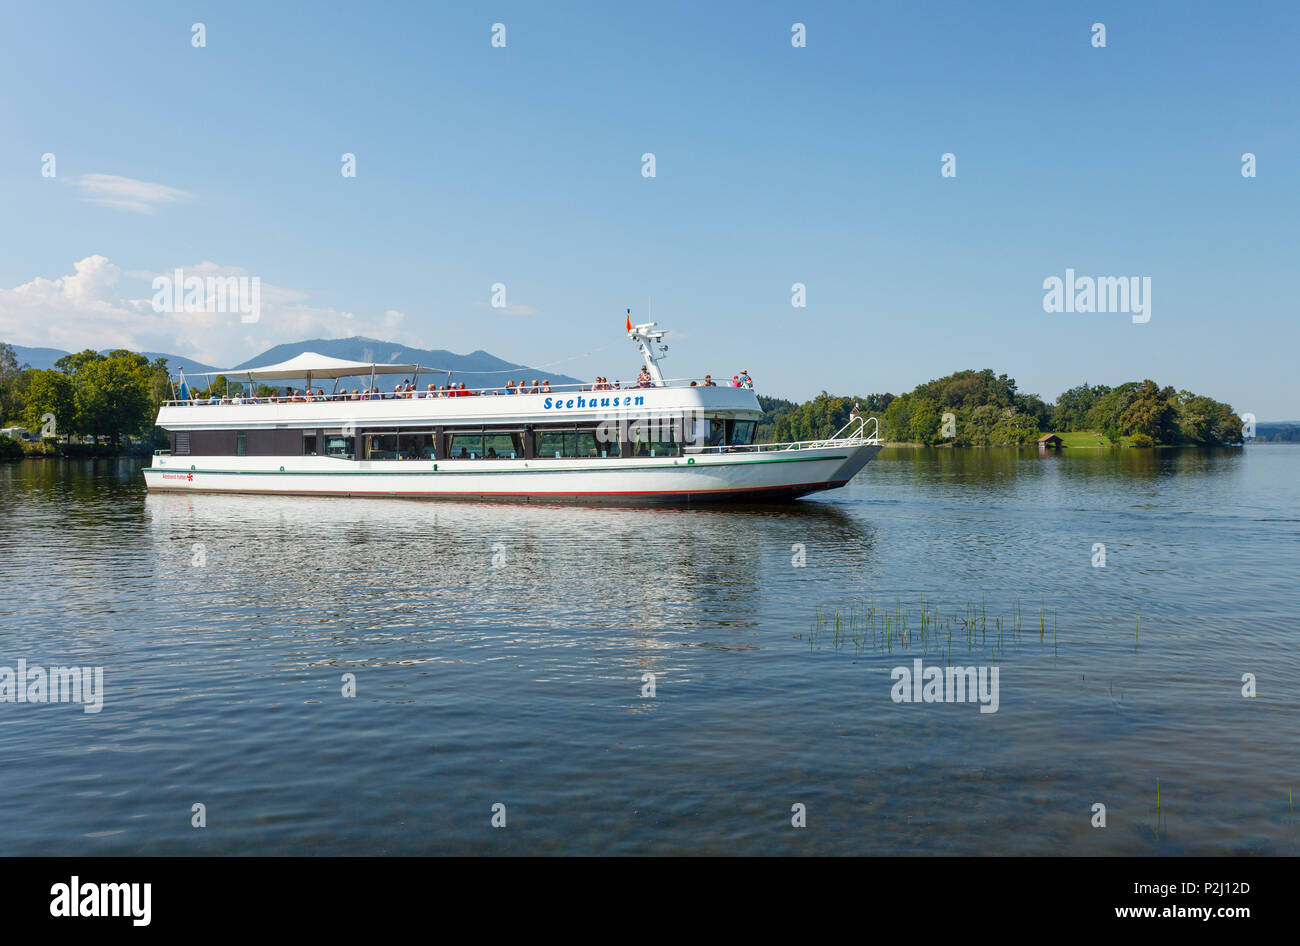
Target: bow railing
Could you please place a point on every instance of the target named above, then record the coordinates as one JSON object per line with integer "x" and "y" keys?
{"x": 858, "y": 432}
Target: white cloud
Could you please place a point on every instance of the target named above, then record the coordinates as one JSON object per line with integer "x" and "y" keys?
{"x": 90, "y": 308}
{"x": 125, "y": 193}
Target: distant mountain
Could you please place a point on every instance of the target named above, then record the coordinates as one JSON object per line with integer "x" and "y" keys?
{"x": 39, "y": 358}
{"x": 44, "y": 358}
{"x": 188, "y": 365}
{"x": 478, "y": 369}
{"x": 1287, "y": 431}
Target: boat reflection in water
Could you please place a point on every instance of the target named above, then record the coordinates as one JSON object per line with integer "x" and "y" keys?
{"x": 341, "y": 574}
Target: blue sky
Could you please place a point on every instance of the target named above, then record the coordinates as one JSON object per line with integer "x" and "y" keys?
{"x": 774, "y": 165}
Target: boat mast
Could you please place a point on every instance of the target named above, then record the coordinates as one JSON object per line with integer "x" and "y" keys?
{"x": 648, "y": 341}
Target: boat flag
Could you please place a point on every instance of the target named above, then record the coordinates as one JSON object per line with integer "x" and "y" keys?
{"x": 629, "y": 320}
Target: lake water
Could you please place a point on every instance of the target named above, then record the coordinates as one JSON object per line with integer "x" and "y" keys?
{"x": 499, "y": 654}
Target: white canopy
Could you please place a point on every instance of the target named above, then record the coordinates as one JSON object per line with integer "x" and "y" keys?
{"x": 311, "y": 365}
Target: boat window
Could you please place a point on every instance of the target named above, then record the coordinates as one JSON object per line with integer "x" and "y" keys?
{"x": 339, "y": 446}
{"x": 656, "y": 437}
{"x": 586, "y": 444}
{"x": 503, "y": 445}
{"x": 415, "y": 445}
{"x": 465, "y": 445}
{"x": 309, "y": 445}
{"x": 550, "y": 443}
{"x": 575, "y": 442}
{"x": 572, "y": 442}
{"x": 182, "y": 445}
{"x": 707, "y": 432}
{"x": 241, "y": 444}
{"x": 656, "y": 448}
{"x": 380, "y": 447}
{"x": 743, "y": 432}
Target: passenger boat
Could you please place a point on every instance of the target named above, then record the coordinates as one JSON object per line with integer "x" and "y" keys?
{"x": 662, "y": 441}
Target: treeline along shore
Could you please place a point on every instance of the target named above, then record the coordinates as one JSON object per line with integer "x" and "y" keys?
{"x": 93, "y": 403}
{"x": 978, "y": 408}
{"x": 88, "y": 404}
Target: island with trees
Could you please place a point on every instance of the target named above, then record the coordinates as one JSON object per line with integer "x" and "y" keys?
{"x": 987, "y": 410}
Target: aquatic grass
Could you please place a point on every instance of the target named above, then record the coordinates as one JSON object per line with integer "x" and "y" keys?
{"x": 929, "y": 627}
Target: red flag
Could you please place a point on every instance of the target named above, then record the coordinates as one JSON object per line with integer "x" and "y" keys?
{"x": 629, "y": 323}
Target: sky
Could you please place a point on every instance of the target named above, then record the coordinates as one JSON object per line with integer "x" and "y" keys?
{"x": 774, "y": 165}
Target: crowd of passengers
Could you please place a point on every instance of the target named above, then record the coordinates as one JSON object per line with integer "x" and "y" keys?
{"x": 407, "y": 390}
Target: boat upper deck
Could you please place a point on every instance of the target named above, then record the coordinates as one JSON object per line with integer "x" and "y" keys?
{"x": 562, "y": 404}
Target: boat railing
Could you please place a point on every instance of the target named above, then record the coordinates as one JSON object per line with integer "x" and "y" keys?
{"x": 859, "y": 431}
{"x": 502, "y": 391}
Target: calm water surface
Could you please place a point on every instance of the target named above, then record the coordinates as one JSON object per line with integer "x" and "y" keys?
{"x": 499, "y": 654}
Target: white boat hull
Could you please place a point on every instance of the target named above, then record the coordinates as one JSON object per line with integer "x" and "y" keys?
{"x": 742, "y": 476}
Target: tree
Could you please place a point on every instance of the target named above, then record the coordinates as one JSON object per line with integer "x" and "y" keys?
{"x": 11, "y": 385}
{"x": 1203, "y": 420}
{"x": 1151, "y": 413}
{"x": 50, "y": 392}
{"x": 978, "y": 429}
{"x": 71, "y": 364}
{"x": 897, "y": 422}
{"x": 1105, "y": 414}
{"x": 1034, "y": 407}
{"x": 988, "y": 409}
{"x": 924, "y": 424}
{"x": 1015, "y": 427}
{"x": 113, "y": 395}
{"x": 1072, "y": 406}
